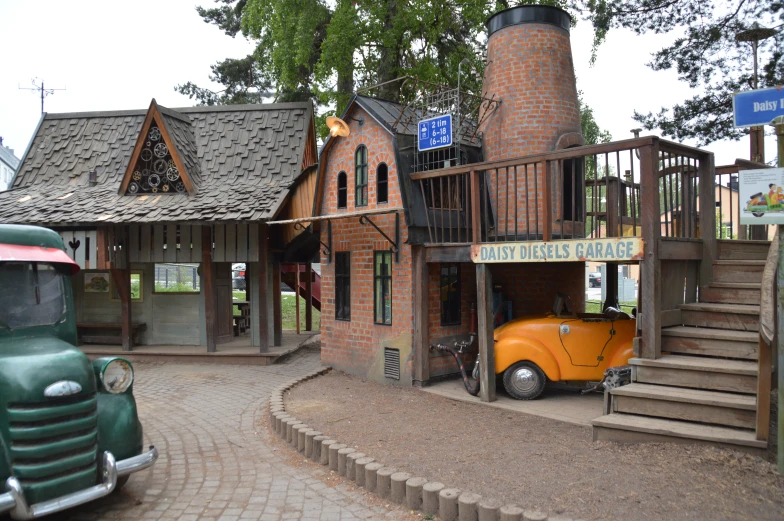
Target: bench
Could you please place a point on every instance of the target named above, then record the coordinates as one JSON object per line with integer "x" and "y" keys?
{"x": 241, "y": 324}
{"x": 103, "y": 328}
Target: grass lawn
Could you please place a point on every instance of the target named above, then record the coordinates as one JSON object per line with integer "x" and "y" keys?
{"x": 288, "y": 311}
{"x": 595, "y": 306}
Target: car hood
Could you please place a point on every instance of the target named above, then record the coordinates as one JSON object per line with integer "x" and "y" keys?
{"x": 529, "y": 321}
{"x": 28, "y": 366}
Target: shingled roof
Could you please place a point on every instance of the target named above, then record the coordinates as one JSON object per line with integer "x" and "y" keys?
{"x": 243, "y": 157}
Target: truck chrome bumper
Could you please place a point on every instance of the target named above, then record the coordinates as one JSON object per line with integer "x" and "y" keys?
{"x": 14, "y": 501}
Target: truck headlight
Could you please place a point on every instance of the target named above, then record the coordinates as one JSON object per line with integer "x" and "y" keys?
{"x": 117, "y": 376}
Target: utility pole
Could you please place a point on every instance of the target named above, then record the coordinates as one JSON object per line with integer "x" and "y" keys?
{"x": 757, "y": 134}
{"x": 40, "y": 88}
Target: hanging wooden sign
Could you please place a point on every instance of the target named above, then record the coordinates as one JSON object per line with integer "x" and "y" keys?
{"x": 616, "y": 249}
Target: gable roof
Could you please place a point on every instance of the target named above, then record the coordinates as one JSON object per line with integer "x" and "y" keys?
{"x": 243, "y": 157}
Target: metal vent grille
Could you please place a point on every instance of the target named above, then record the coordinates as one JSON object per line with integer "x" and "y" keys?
{"x": 392, "y": 363}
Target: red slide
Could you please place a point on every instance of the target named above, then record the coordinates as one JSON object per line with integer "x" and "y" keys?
{"x": 288, "y": 275}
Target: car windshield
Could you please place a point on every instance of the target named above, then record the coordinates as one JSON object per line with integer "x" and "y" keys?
{"x": 33, "y": 295}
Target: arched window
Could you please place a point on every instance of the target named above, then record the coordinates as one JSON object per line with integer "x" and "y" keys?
{"x": 342, "y": 190}
{"x": 361, "y": 176}
{"x": 382, "y": 183}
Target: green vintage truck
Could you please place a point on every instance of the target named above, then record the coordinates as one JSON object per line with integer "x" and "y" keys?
{"x": 69, "y": 431}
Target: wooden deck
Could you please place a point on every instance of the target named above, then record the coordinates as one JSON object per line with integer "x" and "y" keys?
{"x": 238, "y": 351}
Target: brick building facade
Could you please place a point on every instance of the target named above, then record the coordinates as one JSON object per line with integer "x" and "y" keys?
{"x": 531, "y": 72}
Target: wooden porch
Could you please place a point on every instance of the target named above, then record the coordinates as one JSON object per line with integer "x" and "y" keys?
{"x": 238, "y": 352}
{"x": 701, "y": 371}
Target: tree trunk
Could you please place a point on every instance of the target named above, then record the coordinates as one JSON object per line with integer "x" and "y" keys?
{"x": 389, "y": 65}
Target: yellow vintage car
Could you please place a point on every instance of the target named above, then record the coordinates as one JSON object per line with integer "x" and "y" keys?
{"x": 561, "y": 346}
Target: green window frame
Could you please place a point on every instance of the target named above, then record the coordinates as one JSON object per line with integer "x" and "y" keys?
{"x": 343, "y": 285}
{"x": 382, "y": 287}
{"x": 361, "y": 176}
{"x": 450, "y": 295}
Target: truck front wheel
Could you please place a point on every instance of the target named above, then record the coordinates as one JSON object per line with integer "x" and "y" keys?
{"x": 524, "y": 381}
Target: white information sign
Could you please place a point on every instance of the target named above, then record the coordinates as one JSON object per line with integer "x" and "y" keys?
{"x": 761, "y": 196}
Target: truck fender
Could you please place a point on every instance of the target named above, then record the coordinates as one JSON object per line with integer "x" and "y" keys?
{"x": 512, "y": 350}
{"x": 622, "y": 355}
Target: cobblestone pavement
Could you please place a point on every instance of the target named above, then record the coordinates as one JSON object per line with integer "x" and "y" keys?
{"x": 218, "y": 459}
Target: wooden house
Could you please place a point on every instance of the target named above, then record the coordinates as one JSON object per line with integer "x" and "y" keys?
{"x": 155, "y": 205}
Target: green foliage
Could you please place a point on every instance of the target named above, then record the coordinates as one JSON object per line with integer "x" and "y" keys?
{"x": 174, "y": 287}
{"x": 705, "y": 55}
{"x": 324, "y": 50}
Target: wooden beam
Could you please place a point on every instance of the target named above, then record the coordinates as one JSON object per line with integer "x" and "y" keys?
{"x": 476, "y": 208}
{"x": 448, "y": 253}
{"x": 208, "y": 288}
{"x": 308, "y": 298}
{"x": 680, "y": 249}
{"x": 484, "y": 300}
{"x": 101, "y": 252}
{"x": 277, "y": 317}
{"x": 122, "y": 281}
{"x": 296, "y": 294}
{"x": 707, "y": 195}
{"x": 650, "y": 266}
{"x": 263, "y": 316}
{"x": 419, "y": 305}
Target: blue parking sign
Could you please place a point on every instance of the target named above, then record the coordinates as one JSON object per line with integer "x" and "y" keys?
{"x": 435, "y": 133}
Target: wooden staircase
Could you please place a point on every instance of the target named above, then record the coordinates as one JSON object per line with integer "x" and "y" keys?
{"x": 703, "y": 389}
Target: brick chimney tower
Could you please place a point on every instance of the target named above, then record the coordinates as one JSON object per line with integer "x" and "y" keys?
{"x": 530, "y": 69}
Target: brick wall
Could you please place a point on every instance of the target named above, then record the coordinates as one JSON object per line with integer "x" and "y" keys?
{"x": 444, "y": 363}
{"x": 356, "y": 346}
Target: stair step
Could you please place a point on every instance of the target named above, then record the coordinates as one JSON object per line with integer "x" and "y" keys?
{"x": 711, "y": 342}
{"x": 696, "y": 372}
{"x": 730, "y": 295}
{"x": 738, "y": 270}
{"x": 737, "y": 285}
{"x": 741, "y": 317}
{"x": 712, "y": 407}
{"x": 630, "y": 428}
{"x": 742, "y": 250}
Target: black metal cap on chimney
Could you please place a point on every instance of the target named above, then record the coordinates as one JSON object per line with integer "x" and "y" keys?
{"x": 526, "y": 14}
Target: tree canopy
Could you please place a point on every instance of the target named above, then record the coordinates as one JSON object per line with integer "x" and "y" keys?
{"x": 705, "y": 54}
{"x": 325, "y": 50}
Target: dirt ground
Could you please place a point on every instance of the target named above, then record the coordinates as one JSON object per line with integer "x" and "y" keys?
{"x": 535, "y": 462}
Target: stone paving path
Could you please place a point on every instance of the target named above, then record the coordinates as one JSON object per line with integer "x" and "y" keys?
{"x": 218, "y": 460}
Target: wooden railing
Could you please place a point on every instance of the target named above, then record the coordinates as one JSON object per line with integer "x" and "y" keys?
{"x": 767, "y": 340}
{"x": 643, "y": 187}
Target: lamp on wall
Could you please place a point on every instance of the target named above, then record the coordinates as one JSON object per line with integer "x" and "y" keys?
{"x": 338, "y": 127}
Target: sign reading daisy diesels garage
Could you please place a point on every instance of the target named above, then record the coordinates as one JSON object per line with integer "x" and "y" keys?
{"x": 618, "y": 249}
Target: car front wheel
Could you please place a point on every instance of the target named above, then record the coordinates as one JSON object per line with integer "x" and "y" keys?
{"x": 524, "y": 381}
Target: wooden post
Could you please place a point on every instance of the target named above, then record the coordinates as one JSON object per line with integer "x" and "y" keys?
{"x": 208, "y": 288}
{"x": 263, "y": 314}
{"x": 421, "y": 333}
{"x": 707, "y": 195}
{"x": 308, "y": 297}
{"x": 122, "y": 280}
{"x": 547, "y": 201}
{"x": 277, "y": 317}
{"x": 100, "y": 239}
{"x": 614, "y": 224}
{"x": 650, "y": 267}
{"x": 484, "y": 301}
{"x": 476, "y": 208}
{"x": 296, "y": 293}
{"x": 780, "y": 315}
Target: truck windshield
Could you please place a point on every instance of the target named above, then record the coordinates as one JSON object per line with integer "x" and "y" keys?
{"x": 32, "y": 294}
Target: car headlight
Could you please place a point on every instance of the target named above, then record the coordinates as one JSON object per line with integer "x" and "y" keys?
{"x": 117, "y": 376}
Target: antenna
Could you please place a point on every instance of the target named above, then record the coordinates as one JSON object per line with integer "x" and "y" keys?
{"x": 40, "y": 88}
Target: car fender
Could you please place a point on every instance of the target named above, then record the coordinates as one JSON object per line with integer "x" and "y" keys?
{"x": 119, "y": 428}
{"x": 622, "y": 355}
{"x": 509, "y": 351}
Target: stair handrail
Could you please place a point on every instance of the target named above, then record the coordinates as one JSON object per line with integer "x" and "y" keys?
{"x": 767, "y": 335}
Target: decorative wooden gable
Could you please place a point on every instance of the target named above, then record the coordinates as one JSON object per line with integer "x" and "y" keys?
{"x": 156, "y": 166}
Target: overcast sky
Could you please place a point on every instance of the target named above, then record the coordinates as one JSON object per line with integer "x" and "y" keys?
{"x": 119, "y": 55}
